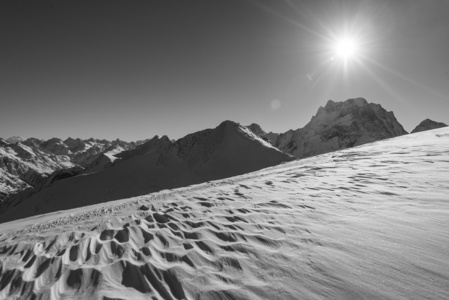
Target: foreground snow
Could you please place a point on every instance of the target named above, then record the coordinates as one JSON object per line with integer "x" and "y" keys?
{"x": 368, "y": 222}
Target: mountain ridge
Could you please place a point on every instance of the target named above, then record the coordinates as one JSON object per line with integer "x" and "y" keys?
{"x": 227, "y": 150}
{"x": 336, "y": 125}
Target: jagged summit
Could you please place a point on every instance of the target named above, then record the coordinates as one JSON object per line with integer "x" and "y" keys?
{"x": 33, "y": 142}
{"x": 332, "y": 105}
{"x": 428, "y": 124}
{"x": 359, "y": 113}
{"x": 340, "y": 125}
{"x": 341, "y": 106}
{"x": 75, "y": 145}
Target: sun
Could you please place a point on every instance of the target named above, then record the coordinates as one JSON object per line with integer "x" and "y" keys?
{"x": 345, "y": 48}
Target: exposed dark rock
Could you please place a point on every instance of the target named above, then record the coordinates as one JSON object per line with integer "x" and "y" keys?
{"x": 428, "y": 124}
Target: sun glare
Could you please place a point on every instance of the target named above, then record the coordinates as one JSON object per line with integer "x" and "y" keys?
{"x": 345, "y": 48}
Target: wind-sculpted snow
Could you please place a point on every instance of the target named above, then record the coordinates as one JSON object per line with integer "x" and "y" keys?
{"x": 364, "y": 223}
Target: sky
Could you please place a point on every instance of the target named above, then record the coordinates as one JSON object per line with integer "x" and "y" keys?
{"x": 134, "y": 69}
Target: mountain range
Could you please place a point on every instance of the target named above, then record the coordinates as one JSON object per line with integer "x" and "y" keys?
{"x": 38, "y": 176}
{"x": 228, "y": 150}
{"x": 26, "y": 163}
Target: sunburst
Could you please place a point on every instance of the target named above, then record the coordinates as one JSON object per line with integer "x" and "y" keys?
{"x": 345, "y": 48}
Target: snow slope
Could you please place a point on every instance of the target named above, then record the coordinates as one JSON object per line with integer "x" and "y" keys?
{"x": 370, "y": 222}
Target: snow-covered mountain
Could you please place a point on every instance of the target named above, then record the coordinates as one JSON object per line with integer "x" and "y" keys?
{"x": 84, "y": 152}
{"x": 27, "y": 163}
{"x": 22, "y": 166}
{"x": 428, "y": 124}
{"x": 340, "y": 125}
{"x": 228, "y": 150}
{"x": 369, "y": 222}
{"x": 336, "y": 126}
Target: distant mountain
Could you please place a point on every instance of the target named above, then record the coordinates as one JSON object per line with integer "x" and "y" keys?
{"x": 84, "y": 152}
{"x": 428, "y": 124}
{"x": 340, "y": 125}
{"x": 227, "y": 150}
{"x": 28, "y": 163}
{"x": 22, "y": 167}
{"x": 14, "y": 139}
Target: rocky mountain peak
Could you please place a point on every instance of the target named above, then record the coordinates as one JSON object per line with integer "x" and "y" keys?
{"x": 332, "y": 106}
{"x": 55, "y": 146}
{"x": 33, "y": 142}
{"x": 340, "y": 125}
{"x": 75, "y": 145}
{"x": 428, "y": 124}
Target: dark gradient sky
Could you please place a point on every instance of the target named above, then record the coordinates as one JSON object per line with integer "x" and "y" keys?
{"x": 133, "y": 69}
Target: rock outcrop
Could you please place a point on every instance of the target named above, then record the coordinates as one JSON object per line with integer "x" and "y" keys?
{"x": 428, "y": 124}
